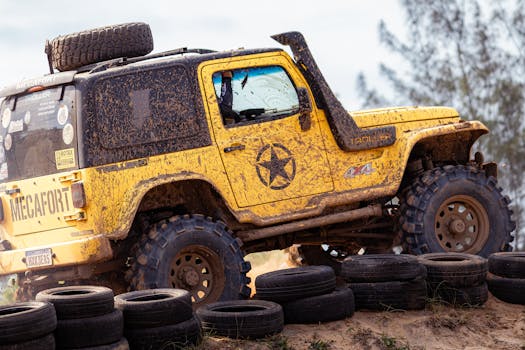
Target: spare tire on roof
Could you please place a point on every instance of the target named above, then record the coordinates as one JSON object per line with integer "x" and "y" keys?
{"x": 72, "y": 51}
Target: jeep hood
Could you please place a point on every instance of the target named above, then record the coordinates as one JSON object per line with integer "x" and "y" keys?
{"x": 399, "y": 115}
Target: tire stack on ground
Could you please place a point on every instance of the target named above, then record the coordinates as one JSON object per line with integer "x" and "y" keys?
{"x": 506, "y": 278}
{"x": 159, "y": 319}
{"x": 27, "y": 326}
{"x": 307, "y": 294}
{"x": 458, "y": 279}
{"x": 386, "y": 281}
{"x": 86, "y": 317}
{"x": 242, "y": 319}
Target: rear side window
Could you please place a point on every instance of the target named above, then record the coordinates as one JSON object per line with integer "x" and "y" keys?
{"x": 38, "y": 134}
{"x": 145, "y": 107}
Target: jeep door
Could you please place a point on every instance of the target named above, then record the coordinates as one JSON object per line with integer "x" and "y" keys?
{"x": 254, "y": 109}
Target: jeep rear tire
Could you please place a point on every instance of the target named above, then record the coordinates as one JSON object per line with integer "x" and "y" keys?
{"x": 192, "y": 253}
{"x": 455, "y": 209}
{"x": 72, "y": 51}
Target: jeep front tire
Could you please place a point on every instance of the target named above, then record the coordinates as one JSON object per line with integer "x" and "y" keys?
{"x": 455, "y": 209}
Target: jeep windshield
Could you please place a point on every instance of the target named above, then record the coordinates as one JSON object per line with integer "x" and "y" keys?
{"x": 37, "y": 134}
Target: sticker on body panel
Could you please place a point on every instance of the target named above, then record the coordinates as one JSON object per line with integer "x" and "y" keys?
{"x": 275, "y": 166}
{"x": 354, "y": 171}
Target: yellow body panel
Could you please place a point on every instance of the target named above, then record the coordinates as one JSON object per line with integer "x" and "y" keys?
{"x": 325, "y": 175}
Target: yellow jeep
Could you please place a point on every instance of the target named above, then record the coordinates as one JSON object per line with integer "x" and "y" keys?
{"x": 162, "y": 170}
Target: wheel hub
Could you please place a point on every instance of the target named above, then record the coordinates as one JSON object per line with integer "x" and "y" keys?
{"x": 190, "y": 277}
{"x": 457, "y": 227}
{"x": 198, "y": 269}
{"x": 462, "y": 225}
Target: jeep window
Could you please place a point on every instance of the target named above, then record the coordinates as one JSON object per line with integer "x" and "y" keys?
{"x": 38, "y": 134}
{"x": 257, "y": 94}
{"x": 146, "y": 107}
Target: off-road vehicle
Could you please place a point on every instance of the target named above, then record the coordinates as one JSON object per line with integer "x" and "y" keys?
{"x": 147, "y": 170}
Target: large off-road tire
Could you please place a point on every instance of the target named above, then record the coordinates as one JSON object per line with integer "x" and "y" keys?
{"x": 78, "y": 301}
{"x": 381, "y": 268}
{"x": 22, "y": 322}
{"x": 455, "y": 209}
{"x": 296, "y": 283}
{"x": 154, "y": 307}
{"x": 192, "y": 253}
{"x": 75, "y": 50}
{"x": 242, "y": 319}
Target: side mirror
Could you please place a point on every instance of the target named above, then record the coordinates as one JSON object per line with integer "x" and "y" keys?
{"x": 305, "y": 108}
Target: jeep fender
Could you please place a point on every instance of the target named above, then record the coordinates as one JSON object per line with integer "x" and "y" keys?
{"x": 443, "y": 143}
{"x": 135, "y": 196}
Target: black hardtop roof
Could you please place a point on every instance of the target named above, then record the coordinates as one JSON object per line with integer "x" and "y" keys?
{"x": 183, "y": 56}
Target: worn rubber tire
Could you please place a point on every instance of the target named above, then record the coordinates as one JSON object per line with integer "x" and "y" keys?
{"x": 122, "y": 344}
{"x": 44, "y": 343}
{"x": 251, "y": 319}
{"x": 509, "y": 290}
{"x": 158, "y": 249}
{"x": 420, "y": 202}
{"x": 75, "y": 50}
{"x": 296, "y": 283}
{"x": 403, "y": 295}
{"x": 154, "y": 307}
{"x": 381, "y": 268}
{"x": 180, "y": 335}
{"x": 454, "y": 269}
{"x": 22, "y": 322}
{"x": 508, "y": 264}
{"x": 462, "y": 296}
{"x": 78, "y": 301}
{"x": 90, "y": 331}
{"x": 334, "y": 306}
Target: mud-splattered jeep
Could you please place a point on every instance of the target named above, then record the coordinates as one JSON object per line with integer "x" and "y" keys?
{"x": 144, "y": 171}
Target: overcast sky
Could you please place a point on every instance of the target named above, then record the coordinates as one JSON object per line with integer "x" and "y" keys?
{"x": 342, "y": 34}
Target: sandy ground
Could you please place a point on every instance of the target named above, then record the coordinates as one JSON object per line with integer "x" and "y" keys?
{"x": 495, "y": 325}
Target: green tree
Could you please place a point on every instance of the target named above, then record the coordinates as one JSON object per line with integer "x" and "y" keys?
{"x": 468, "y": 54}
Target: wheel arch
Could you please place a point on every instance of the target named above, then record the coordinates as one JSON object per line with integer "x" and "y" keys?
{"x": 187, "y": 197}
{"x": 449, "y": 145}
{"x": 154, "y": 201}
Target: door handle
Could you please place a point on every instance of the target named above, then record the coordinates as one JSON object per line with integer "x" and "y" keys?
{"x": 234, "y": 148}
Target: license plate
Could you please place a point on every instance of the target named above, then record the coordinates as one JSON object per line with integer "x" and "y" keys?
{"x": 39, "y": 257}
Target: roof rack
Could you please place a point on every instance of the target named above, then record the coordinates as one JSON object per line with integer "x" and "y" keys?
{"x": 101, "y": 66}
